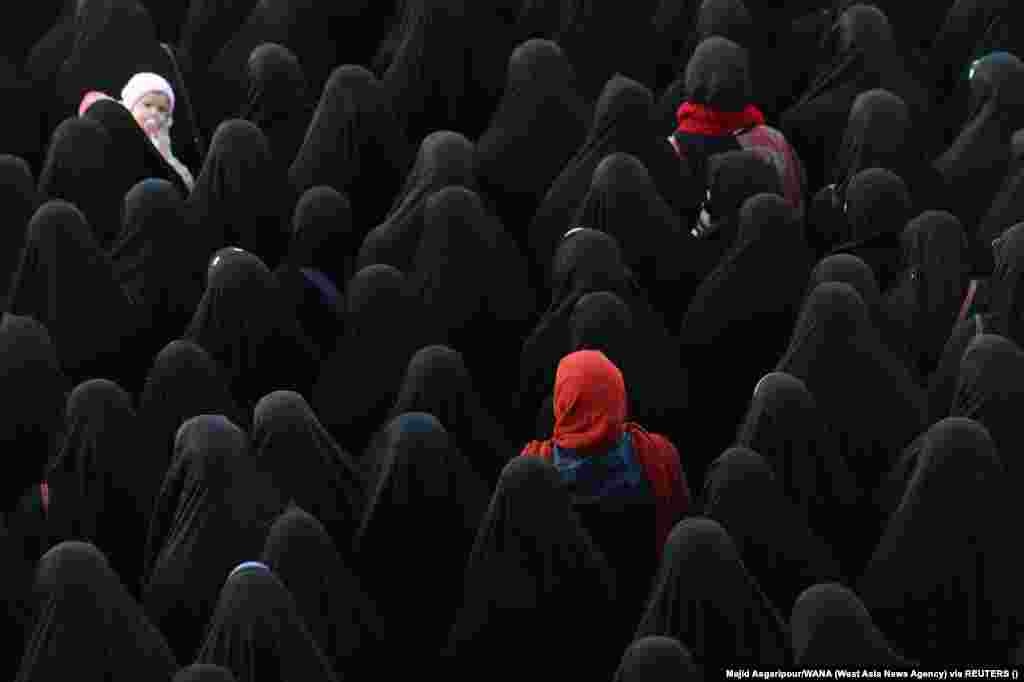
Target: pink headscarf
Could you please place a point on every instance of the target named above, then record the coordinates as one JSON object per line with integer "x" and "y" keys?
{"x": 91, "y": 98}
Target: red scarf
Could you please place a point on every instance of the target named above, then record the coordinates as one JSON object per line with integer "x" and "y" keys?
{"x": 590, "y": 416}
{"x": 698, "y": 119}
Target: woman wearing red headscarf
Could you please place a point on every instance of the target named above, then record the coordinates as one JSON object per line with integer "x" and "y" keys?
{"x": 601, "y": 455}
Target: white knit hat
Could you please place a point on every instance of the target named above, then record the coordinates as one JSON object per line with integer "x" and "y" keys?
{"x": 141, "y": 85}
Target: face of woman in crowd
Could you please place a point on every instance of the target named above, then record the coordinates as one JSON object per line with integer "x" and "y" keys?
{"x": 154, "y": 105}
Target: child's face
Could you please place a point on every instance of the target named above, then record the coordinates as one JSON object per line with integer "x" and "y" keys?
{"x": 152, "y": 105}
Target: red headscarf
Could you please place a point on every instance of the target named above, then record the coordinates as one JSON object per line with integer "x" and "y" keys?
{"x": 590, "y": 418}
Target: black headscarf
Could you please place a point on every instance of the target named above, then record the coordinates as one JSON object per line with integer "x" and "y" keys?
{"x": 979, "y": 159}
{"x": 68, "y": 284}
{"x": 77, "y": 167}
{"x": 423, "y": 487}
{"x": 448, "y": 67}
{"x": 754, "y": 294}
{"x": 931, "y": 290}
{"x": 539, "y": 124}
{"x": 278, "y": 100}
{"x": 204, "y": 672}
{"x": 151, "y": 259}
{"x": 831, "y": 627}
{"x": 771, "y": 533}
{"x": 19, "y": 199}
{"x": 849, "y": 269}
{"x": 681, "y": 26}
{"x": 241, "y": 197}
{"x": 214, "y": 511}
{"x": 33, "y": 395}
{"x": 353, "y": 145}
{"x": 785, "y": 426}
{"x": 258, "y": 633}
{"x": 972, "y": 29}
{"x": 535, "y": 575}
{"x": 732, "y": 178}
{"x": 132, "y": 157}
{"x": 1004, "y": 316}
{"x": 655, "y": 659}
{"x": 943, "y": 582}
{"x": 359, "y": 382}
{"x": 319, "y": 263}
{"x": 101, "y": 483}
{"x": 877, "y": 209}
{"x": 864, "y": 55}
{"x": 590, "y": 261}
{"x": 473, "y": 285}
{"x": 864, "y": 392}
{"x": 624, "y": 202}
{"x": 622, "y": 123}
{"x": 208, "y": 26}
{"x": 445, "y": 158}
{"x": 243, "y": 323}
{"x": 601, "y": 39}
{"x": 705, "y": 598}
{"x": 28, "y": 26}
{"x": 301, "y": 26}
{"x": 879, "y": 134}
{"x": 85, "y": 615}
{"x": 307, "y": 465}
{"x": 990, "y": 390}
{"x": 184, "y": 382}
{"x": 331, "y": 599}
{"x": 1007, "y": 207}
{"x": 438, "y": 383}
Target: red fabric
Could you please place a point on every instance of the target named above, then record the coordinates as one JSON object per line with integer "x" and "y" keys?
{"x": 968, "y": 300}
{"x": 44, "y": 493}
{"x": 698, "y": 119}
{"x": 590, "y": 417}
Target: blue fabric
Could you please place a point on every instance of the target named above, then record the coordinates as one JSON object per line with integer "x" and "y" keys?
{"x": 324, "y": 285}
{"x": 250, "y": 566}
{"x": 616, "y": 475}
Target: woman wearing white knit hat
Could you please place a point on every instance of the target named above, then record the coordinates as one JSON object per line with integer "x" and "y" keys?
{"x": 150, "y": 98}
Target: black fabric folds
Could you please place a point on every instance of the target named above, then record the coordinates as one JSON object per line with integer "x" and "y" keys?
{"x": 652, "y": 659}
{"x": 422, "y": 487}
{"x": 438, "y": 383}
{"x": 215, "y": 509}
{"x": 539, "y": 124}
{"x": 831, "y": 627}
{"x": 278, "y": 100}
{"x": 445, "y": 158}
{"x": 727, "y": 312}
{"x": 33, "y": 389}
{"x": 85, "y": 615}
{"x": 77, "y": 161}
{"x": 359, "y": 382}
{"x": 19, "y": 199}
{"x": 307, "y": 465}
{"x": 331, "y": 599}
{"x": 623, "y": 122}
{"x": 353, "y": 145}
{"x": 705, "y": 598}
{"x": 771, "y": 533}
{"x": 68, "y": 284}
{"x": 101, "y": 481}
{"x": 942, "y": 584}
{"x": 150, "y": 261}
{"x": 241, "y": 198}
{"x": 258, "y": 633}
{"x": 535, "y": 573}
{"x": 243, "y": 323}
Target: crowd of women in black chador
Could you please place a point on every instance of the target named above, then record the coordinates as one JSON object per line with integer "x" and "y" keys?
{"x": 470, "y": 301}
